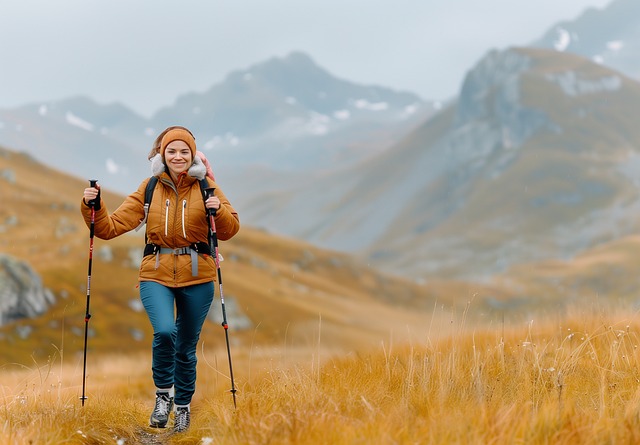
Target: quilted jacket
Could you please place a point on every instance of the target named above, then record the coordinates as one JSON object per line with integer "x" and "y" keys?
{"x": 177, "y": 218}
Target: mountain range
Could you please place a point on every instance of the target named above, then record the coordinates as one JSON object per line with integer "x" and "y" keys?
{"x": 536, "y": 158}
{"x": 284, "y": 114}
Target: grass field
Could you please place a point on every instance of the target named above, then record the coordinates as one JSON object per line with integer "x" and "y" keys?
{"x": 560, "y": 379}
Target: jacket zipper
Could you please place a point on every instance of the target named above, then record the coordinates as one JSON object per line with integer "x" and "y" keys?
{"x": 166, "y": 221}
{"x": 184, "y": 206}
{"x": 166, "y": 218}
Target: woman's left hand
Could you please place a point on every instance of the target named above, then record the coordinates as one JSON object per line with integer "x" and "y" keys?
{"x": 212, "y": 203}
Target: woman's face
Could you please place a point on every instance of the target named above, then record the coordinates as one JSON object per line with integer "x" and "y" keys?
{"x": 177, "y": 157}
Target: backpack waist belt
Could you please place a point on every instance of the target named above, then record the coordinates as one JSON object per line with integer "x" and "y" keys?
{"x": 193, "y": 250}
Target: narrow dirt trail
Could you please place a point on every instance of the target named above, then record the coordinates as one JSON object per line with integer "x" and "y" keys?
{"x": 145, "y": 437}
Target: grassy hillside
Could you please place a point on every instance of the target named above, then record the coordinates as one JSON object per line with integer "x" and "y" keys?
{"x": 291, "y": 293}
{"x": 607, "y": 274}
{"x": 465, "y": 200}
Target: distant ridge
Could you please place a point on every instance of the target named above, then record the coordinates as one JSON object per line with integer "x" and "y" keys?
{"x": 608, "y": 36}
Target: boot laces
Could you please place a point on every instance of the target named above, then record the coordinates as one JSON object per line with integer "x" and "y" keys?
{"x": 182, "y": 419}
{"x": 163, "y": 402}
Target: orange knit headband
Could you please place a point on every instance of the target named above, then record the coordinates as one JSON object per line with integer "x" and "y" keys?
{"x": 178, "y": 134}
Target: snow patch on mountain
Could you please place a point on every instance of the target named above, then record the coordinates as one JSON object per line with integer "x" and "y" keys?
{"x": 342, "y": 114}
{"x": 74, "y": 120}
{"x": 226, "y": 140}
{"x": 615, "y": 45}
{"x": 364, "y": 104}
{"x": 563, "y": 41}
{"x": 573, "y": 85}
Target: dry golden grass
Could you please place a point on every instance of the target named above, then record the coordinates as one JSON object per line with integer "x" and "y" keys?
{"x": 561, "y": 380}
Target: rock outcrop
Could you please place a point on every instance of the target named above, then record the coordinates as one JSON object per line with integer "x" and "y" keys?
{"x": 21, "y": 292}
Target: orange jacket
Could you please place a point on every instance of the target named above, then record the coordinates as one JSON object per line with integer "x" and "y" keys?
{"x": 177, "y": 218}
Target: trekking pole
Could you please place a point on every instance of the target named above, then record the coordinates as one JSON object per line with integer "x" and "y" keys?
{"x": 87, "y": 315}
{"x": 213, "y": 244}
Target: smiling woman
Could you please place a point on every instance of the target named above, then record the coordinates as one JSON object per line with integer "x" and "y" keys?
{"x": 178, "y": 268}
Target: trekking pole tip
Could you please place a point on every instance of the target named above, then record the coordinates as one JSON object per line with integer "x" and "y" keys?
{"x": 233, "y": 392}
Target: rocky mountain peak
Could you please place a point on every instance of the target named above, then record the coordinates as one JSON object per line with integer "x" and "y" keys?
{"x": 491, "y": 93}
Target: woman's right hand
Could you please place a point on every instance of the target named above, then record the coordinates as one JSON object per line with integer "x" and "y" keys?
{"x": 90, "y": 194}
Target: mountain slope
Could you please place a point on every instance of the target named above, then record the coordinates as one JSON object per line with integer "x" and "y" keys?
{"x": 538, "y": 158}
{"x": 542, "y": 164}
{"x": 279, "y": 292}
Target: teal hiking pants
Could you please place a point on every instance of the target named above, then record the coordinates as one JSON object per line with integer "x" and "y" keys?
{"x": 177, "y": 315}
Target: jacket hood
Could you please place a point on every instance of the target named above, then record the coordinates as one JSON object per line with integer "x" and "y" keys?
{"x": 198, "y": 170}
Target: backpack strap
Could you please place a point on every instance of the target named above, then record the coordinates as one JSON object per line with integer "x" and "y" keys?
{"x": 148, "y": 194}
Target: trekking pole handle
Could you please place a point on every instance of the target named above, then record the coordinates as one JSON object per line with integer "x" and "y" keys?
{"x": 208, "y": 193}
{"x": 93, "y": 183}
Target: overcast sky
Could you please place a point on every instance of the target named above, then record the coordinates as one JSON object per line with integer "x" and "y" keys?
{"x": 145, "y": 53}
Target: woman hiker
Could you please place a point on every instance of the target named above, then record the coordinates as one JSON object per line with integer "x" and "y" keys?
{"x": 177, "y": 271}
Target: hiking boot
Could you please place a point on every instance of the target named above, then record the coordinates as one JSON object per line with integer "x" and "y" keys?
{"x": 182, "y": 419}
{"x": 160, "y": 414}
